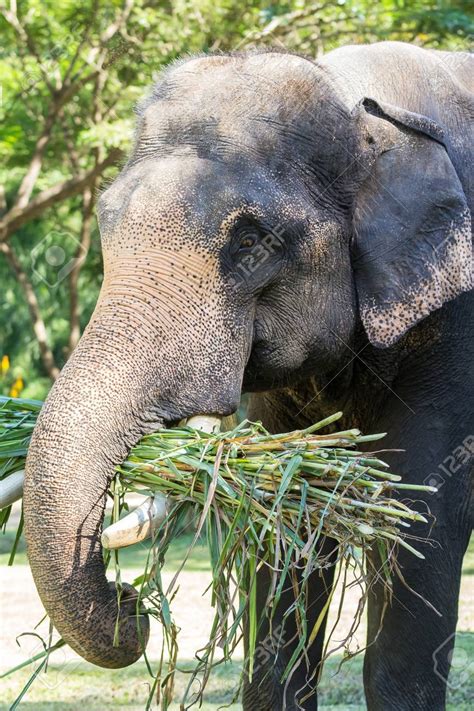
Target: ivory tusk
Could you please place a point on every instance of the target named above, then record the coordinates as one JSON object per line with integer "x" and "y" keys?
{"x": 144, "y": 520}
{"x": 137, "y": 525}
{"x": 205, "y": 423}
{"x": 11, "y": 488}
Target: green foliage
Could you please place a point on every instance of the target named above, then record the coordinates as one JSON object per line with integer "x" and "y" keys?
{"x": 51, "y": 43}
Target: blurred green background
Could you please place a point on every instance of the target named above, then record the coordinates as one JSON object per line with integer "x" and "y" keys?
{"x": 71, "y": 72}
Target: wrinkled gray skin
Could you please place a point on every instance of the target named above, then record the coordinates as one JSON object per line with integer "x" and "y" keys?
{"x": 269, "y": 226}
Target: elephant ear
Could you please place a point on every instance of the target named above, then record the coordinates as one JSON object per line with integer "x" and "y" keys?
{"x": 412, "y": 244}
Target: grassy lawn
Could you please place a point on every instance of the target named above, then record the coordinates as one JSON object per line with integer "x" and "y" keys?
{"x": 81, "y": 686}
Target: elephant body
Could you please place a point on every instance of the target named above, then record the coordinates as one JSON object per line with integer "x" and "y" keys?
{"x": 419, "y": 391}
{"x": 298, "y": 230}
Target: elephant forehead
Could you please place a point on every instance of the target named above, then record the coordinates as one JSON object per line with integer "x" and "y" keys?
{"x": 226, "y": 106}
{"x": 156, "y": 219}
{"x": 180, "y": 201}
{"x": 169, "y": 222}
{"x": 228, "y": 87}
{"x": 153, "y": 205}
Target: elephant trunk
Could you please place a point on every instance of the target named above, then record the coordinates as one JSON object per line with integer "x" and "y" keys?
{"x": 94, "y": 413}
{"x": 142, "y": 361}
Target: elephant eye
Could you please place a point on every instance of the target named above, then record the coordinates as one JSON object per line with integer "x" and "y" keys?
{"x": 248, "y": 238}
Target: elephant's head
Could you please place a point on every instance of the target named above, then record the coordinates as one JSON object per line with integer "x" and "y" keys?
{"x": 258, "y": 219}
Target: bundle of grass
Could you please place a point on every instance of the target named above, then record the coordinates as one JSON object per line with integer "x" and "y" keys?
{"x": 262, "y": 500}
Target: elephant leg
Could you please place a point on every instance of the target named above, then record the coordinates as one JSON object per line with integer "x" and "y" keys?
{"x": 274, "y": 648}
{"x": 407, "y": 662}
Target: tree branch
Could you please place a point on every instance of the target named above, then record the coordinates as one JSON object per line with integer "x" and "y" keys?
{"x": 11, "y": 16}
{"x": 83, "y": 41}
{"x": 80, "y": 256}
{"x": 39, "y": 327}
{"x": 29, "y": 179}
{"x": 59, "y": 100}
{"x": 88, "y": 203}
{"x": 119, "y": 22}
{"x": 67, "y": 89}
{"x": 15, "y": 218}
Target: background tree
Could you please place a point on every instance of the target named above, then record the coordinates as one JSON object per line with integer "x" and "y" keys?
{"x": 71, "y": 73}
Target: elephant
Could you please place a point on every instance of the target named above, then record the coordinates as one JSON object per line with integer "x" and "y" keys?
{"x": 298, "y": 230}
